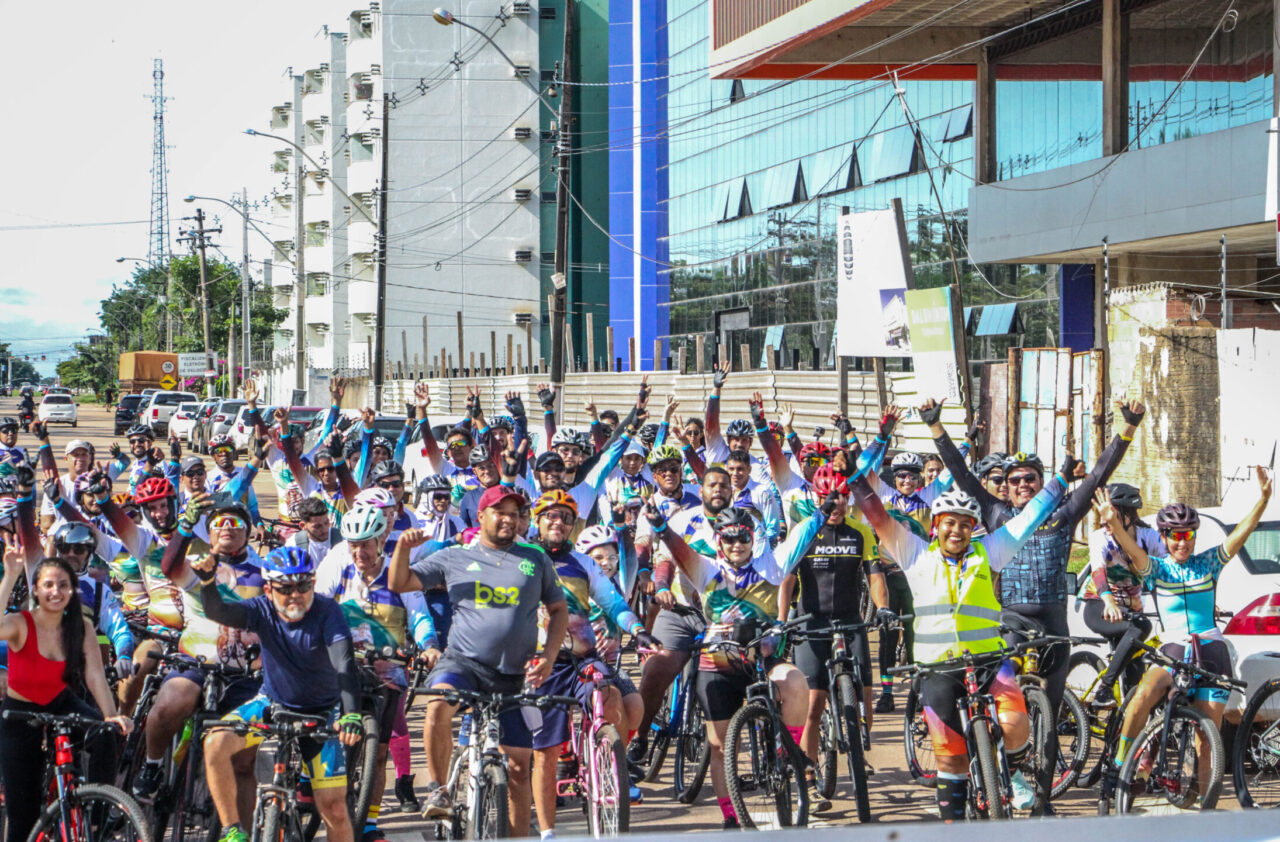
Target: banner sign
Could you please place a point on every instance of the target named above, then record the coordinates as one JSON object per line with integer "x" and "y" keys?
{"x": 933, "y": 344}
{"x": 192, "y": 365}
{"x": 871, "y": 286}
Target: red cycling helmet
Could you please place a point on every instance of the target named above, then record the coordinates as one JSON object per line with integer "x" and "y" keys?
{"x": 815, "y": 448}
{"x": 157, "y": 488}
{"x": 827, "y": 479}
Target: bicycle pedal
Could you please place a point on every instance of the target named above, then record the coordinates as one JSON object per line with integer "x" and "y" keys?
{"x": 566, "y": 789}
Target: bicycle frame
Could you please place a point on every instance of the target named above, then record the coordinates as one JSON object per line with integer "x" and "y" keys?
{"x": 981, "y": 707}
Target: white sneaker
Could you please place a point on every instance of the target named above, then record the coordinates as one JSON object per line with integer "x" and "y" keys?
{"x": 1023, "y": 795}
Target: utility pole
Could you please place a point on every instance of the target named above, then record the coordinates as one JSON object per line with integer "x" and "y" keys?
{"x": 198, "y": 237}
{"x": 246, "y": 287}
{"x": 380, "y": 319}
{"x": 560, "y": 276}
{"x": 299, "y": 264}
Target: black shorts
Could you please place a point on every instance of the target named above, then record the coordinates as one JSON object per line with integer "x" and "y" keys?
{"x": 1214, "y": 657}
{"x": 721, "y": 694}
{"x": 811, "y": 656}
{"x": 234, "y": 693}
{"x": 678, "y": 630}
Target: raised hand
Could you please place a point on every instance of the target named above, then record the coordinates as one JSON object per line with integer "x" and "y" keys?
{"x": 1103, "y": 508}
{"x": 260, "y": 448}
{"x": 422, "y": 394}
{"x": 841, "y": 423}
{"x": 368, "y": 416}
{"x": 677, "y": 430}
{"x": 511, "y": 458}
{"x": 1133, "y": 411}
{"x": 720, "y": 374}
{"x": 892, "y": 415}
{"x": 53, "y": 490}
{"x": 282, "y": 418}
{"x": 115, "y": 450}
{"x": 654, "y": 515}
{"x": 40, "y": 430}
{"x": 670, "y": 410}
{"x": 546, "y": 397}
{"x": 337, "y": 388}
{"x": 335, "y": 446}
{"x": 175, "y": 448}
{"x": 975, "y": 433}
{"x": 413, "y": 538}
{"x": 931, "y": 412}
{"x": 787, "y": 415}
{"x": 251, "y": 393}
{"x": 757, "y": 409}
{"x": 1264, "y": 482}
{"x": 842, "y": 464}
{"x": 515, "y": 405}
{"x": 99, "y": 484}
{"x": 642, "y": 398}
{"x": 589, "y": 407}
{"x": 1071, "y": 468}
{"x": 206, "y": 567}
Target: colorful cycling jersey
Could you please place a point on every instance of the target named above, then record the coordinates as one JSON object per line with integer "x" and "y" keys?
{"x": 219, "y": 479}
{"x": 670, "y": 507}
{"x": 101, "y": 608}
{"x": 619, "y": 488}
{"x": 762, "y": 499}
{"x": 694, "y": 526}
{"x": 831, "y": 572}
{"x": 1110, "y": 566}
{"x": 583, "y": 582}
{"x": 15, "y": 455}
{"x": 164, "y": 606}
{"x": 1185, "y": 592}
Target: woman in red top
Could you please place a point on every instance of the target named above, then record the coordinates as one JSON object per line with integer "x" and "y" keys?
{"x": 53, "y": 659}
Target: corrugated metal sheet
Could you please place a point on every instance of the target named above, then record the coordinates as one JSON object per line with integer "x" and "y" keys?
{"x": 1044, "y": 416}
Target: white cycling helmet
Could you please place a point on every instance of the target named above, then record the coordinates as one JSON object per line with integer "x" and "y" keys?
{"x": 375, "y": 497}
{"x": 952, "y": 502}
{"x": 594, "y": 536}
{"x": 907, "y": 462}
{"x": 364, "y": 522}
{"x": 566, "y": 435}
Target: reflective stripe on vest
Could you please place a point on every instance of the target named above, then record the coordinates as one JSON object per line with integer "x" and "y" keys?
{"x": 956, "y": 605}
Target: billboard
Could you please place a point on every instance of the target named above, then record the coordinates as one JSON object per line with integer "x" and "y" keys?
{"x": 871, "y": 285}
{"x": 933, "y": 343}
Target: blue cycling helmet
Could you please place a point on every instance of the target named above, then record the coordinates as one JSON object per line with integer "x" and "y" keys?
{"x": 288, "y": 564}
{"x": 503, "y": 422}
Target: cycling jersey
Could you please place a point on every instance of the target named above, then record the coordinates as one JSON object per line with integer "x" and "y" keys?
{"x": 762, "y": 499}
{"x": 219, "y": 479}
{"x": 830, "y": 573}
{"x": 694, "y": 526}
{"x": 621, "y": 487}
{"x": 16, "y": 455}
{"x": 1109, "y": 567}
{"x": 583, "y": 582}
{"x": 1185, "y": 593}
{"x": 102, "y": 610}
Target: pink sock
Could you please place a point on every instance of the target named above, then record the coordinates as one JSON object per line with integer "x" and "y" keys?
{"x": 400, "y": 755}
{"x": 726, "y": 807}
{"x": 796, "y": 731}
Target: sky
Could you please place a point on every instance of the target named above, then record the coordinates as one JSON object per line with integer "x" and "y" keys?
{"x": 79, "y": 140}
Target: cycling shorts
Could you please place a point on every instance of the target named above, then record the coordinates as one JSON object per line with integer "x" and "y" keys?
{"x": 465, "y": 674}
{"x": 721, "y": 694}
{"x": 678, "y": 631}
{"x": 565, "y": 680}
{"x": 325, "y": 759}
{"x": 940, "y": 695}
{"x": 811, "y": 656}
{"x": 234, "y": 693}
{"x": 1214, "y": 657}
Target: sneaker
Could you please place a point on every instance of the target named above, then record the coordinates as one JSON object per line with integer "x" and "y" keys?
{"x": 148, "y": 781}
{"x": 637, "y": 797}
{"x": 439, "y": 805}
{"x": 235, "y": 833}
{"x": 635, "y": 771}
{"x": 730, "y": 823}
{"x": 1023, "y": 795}
{"x": 374, "y": 835}
{"x": 884, "y": 704}
{"x": 817, "y": 804}
{"x": 638, "y": 749}
{"x": 404, "y": 794}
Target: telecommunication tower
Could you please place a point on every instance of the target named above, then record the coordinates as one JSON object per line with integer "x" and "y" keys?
{"x": 158, "y": 250}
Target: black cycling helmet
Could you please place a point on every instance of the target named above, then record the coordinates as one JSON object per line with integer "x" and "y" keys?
{"x": 503, "y": 422}
{"x": 734, "y": 516}
{"x": 1124, "y": 496}
{"x": 351, "y": 447}
{"x": 386, "y": 468}
{"x": 383, "y": 442}
{"x": 224, "y": 504}
{"x": 8, "y": 423}
{"x": 1024, "y": 460}
{"x": 740, "y": 427}
{"x": 1177, "y": 517}
{"x": 74, "y": 534}
{"x": 435, "y": 483}
{"x": 988, "y": 463}
{"x": 479, "y": 455}
{"x": 648, "y": 434}
{"x": 140, "y": 430}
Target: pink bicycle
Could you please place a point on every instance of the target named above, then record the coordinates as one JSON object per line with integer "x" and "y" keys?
{"x": 600, "y": 774}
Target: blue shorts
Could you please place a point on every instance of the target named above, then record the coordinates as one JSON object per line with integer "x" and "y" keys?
{"x": 234, "y": 693}
{"x": 325, "y": 759}
{"x": 565, "y": 681}
{"x": 1215, "y": 658}
{"x": 466, "y": 674}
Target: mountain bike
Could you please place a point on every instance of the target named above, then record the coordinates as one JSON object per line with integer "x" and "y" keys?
{"x": 1255, "y": 758}
{"x": 76, "y": 811}
{"x": 680, "y": 723}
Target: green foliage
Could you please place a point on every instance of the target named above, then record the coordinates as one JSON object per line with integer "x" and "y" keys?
{"x": 93, "y": 367}
{"x": 19, "y": 369}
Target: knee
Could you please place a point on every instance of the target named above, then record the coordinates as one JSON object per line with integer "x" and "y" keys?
{"x": 518, "y": 769}
{"x": 332, "y": 806}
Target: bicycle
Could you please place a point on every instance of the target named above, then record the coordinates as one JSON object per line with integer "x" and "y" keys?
{"x": 477, "y": 781}
{"x": 1255, "y": 757}
{"x": 600, "y": 776}
{"x": 1178, "y": 756}
{"x": 761, "y": 760}
{"x": 362, "y": 758}
{"x": 680, "y": 722}
{"x": 133, "y": 753}
{"x": 77, "y": 811}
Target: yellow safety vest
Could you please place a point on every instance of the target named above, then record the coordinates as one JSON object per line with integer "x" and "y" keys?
{"x": 955, "y": 605}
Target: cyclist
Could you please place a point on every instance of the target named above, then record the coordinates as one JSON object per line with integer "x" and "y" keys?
{"x": 52, "y": 683}
{"x": 738, "y": 582}
{"x": 628, "y": 480}
{"x": 957, "y": 611}
{"x": 379, "y": 617}
{"x": 831, "y": 593}
{"x": 141, "y": 440}
{"x": 496, "y": 584}
{"x": 760, "y": 498}
{"x": 582, "y": 581}
{"x": 932, "y": 467}
{"x": 1112, "y": 587}
{"x": 318, "y": 535}
{"x": 223, "y": 451}
{"x": 78, "y": 544}
{"x": 990, "y": 472}
{"x": 388, "y": 475}
{"x": 1184, "y": 583}
{"x": 79, "y": 458}
{"x": 307, "y": 667}
{"x": 434, "y": 497}
{"x": 10, "y": 453}
{"x": 487, "y": 476}
{"x": 737, "y": 436}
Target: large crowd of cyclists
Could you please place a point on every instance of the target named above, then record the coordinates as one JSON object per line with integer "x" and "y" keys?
{"x": 570, "y": 610}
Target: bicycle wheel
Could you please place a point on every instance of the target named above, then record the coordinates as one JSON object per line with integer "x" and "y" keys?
{"x": 609, "y": 809}
{"x": 97, "y": 812}
{"x": 986, "y": 791}
{"x": 826, "y": 769}
{"x": 362, "y": 761}
{"x": 917, "y": 745}
{"x": 1184, "y": 771}
{"x": 489, "y": 814}
{"x": 660, "y": 735}
{"x": 1072, "y": 724}
{"x": 274, "y": 822}
{"x": 693, "y": 752}
{"x": 194, "y": 816}
{"x": 1255, "y": 761}
{"x": 761, "y": 783}
{"x": 1040, "y": 712}
{"x": 868, "y": 607}
{"x": 847, "y": 704}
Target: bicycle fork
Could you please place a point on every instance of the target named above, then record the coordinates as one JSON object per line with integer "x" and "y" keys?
{"x": 981, "y": 708}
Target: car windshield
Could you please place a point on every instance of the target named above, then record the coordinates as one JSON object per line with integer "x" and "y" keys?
{"x": 189, "y": 408}
{"x": 57, "y": 399}
{"x": 1262, "y": 549}
{"x": 170, "y": 399}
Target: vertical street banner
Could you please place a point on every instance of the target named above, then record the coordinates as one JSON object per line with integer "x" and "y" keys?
{"x": 933, "y": 344}
{"x": 871, "y": 286}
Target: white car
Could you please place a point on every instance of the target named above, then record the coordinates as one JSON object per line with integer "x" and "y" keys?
{"x": 183, "y": 419}
{"x": 58, "y": 409}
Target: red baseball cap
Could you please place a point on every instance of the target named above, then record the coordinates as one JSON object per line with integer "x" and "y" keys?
{"x": 496, "y": 494}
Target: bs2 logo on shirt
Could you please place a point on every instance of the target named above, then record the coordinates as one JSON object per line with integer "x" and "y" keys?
{"x": 487, "y": 596}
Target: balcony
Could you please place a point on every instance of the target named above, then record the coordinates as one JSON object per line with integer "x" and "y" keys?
{"x": 319, "y": 259}
{"x": 319, "y": 311}
{"x": 365, "y": 114}
{"x": 362, "y": 298}
{"x": 361, "y": 236}
{"x": 363, "y": 54}
{"x": 281, "y": 117}
{"x": 315, "y": 105}
{"x": 282, "y": 208}
{"x": 362, "y": 176}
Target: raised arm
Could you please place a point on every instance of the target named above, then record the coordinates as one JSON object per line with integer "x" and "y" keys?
{"x": 547, "y": 398}
{"x": 1235, "y": 541}
{"x": 690, "y": 563}
{"x": 1078, "y": 502}
{"x": 779, "y": 467}
{"x": 953, "y": 460}
{"x": 399, "y": 577}
{"x": 1139, "y": 561}
{"x": 900, "y": 543}
{"x": 1002, "y": 544}
{"x": 233, "y": 614}
{"x": 711, "y": 423}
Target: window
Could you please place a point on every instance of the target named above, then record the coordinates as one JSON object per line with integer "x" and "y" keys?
{"x": 361, "y": 86}
{"x": 1262, "y": 549}
{"x": 889, "y": 154}
{"x": 834, "y": 170}
{"x": 59, "y": 399}
{"x": 737, "y": 93}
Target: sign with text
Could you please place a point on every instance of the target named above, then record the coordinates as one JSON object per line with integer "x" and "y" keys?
{"x": 871, "y": 285}
{"x": 933, "y": 343}
{"x": 191, "y": 365}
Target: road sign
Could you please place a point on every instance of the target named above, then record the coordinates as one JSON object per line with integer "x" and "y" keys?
{"x": 168, "y": 382}
{"x": 192, "y": 365}
{"x": 167, "y": 366}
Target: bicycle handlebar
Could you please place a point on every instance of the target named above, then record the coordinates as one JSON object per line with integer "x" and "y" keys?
{"x": 498, "y": 701}
{"x": 967, "y": 660}
{"x": 57, "y": 720}
{"x": 1223, "y": 681}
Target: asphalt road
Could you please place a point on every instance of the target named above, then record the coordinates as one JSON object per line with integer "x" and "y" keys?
{"x": 894, "y": 797}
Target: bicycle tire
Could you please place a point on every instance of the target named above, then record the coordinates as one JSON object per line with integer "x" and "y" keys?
{"x": 848, "y": 703}
{"x": 693, "y": 753}
{"x": 659, "y": 736}
{"x": 1072, "y": 723}
{"x": 492, "y": 805}
{"x": 273, "y": 823}
{"x": 989, "y": 781}
{"x": 868, "y": 606}
{"x": 1180, "y": 719}
{"x": 609, "y": 811}
{"x": 194, "y": 817}
{"x": 362, "y": 763}
{"x": 827, "y": 769}
{"x": 1257, "y": 752}
{"x": 117, "y": 816}
{"x": 754, "y": 768}
{"x": 917, "y": 745}
{"x": 1039, "y": 712}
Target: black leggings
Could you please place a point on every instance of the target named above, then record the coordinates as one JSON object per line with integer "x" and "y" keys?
{"x": 23, "y": 760}
{"x": 1124, "y": 637}
{"x": 900, "y": 603}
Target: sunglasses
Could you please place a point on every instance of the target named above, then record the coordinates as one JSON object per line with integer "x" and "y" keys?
{"x": 291, "y": 589}
{"x": 391, "y": 483}
{"x": 457, "y": 445}
{"x": 1181, "y": 535}
{"x": 995, "y": 479}
{"x": 906, "y": 475}
{"x": 223, "y": 449}
{"x": 666, "y": 468}
{"x": 815, "y": 460}
{"x": 195, "y": 472}
{"x": 139, "y": 441}
{"x": 326, "y": 469}
{"x": 74, "y": 549}
{"x": 552, "y": 469}
{"x": 736, "y": 536}
{"x": 562, "y": 517}
{"x": 227, "y": 522}
{"x": 1022, "y": 479}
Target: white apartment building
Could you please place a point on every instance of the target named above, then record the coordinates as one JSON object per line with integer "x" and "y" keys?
{"x": 463, "y": 210}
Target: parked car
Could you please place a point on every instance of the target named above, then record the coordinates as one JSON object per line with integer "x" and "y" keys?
{"x": 222, "y": 420}
{"x": 156, "y": 412}
{"x": 57, "y": 390}
{"x": 241, "y": 433}
{"x": 127, "y": 412}
{"x": 58, "y": 409}
{"x": 182, "y": 420}
{"x": 203, "y": 413}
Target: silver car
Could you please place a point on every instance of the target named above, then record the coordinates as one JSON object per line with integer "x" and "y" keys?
{"x": 222, "y": 420}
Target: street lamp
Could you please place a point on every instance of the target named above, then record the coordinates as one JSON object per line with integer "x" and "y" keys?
{"x": 357, "y": 205}
{"x": 444, "y": 17}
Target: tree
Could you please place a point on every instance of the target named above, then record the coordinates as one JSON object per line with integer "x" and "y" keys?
{"x": 93, "y": 367}
{"x": 18, "y": 368}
